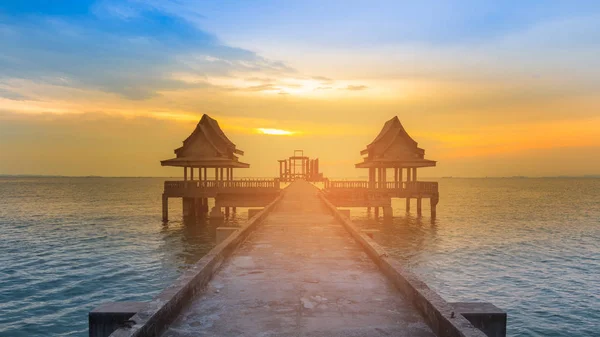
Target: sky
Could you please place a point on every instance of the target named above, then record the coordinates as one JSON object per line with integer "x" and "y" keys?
{"x": 112, "y": 87}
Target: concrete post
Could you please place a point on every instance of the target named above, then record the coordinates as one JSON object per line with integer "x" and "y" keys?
{"x": 108, "y": 317}
{"x": 407, "y": 205}
{"x": 165, "y": 208}
{"x": 484, "y": 316}
{"x": 419, "y": 206}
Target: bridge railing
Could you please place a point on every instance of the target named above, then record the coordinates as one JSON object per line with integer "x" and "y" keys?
{"x": 179, "y": 185}
{"x": 426, "y": 187}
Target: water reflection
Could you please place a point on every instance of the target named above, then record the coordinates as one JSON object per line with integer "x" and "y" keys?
{"x": 405, "y": 236}
{"x": 188, "y": 239}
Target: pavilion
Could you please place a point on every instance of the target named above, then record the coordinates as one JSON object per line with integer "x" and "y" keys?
{"x": 209, "y": 148}
{"x": 393, "y": 149}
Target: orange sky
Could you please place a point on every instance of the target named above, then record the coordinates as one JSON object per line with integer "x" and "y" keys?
{"x": 79, "y": 97}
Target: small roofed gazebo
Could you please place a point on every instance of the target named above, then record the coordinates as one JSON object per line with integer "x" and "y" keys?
{"x": 207, "y": 147}
{"x": 393, "y": 148}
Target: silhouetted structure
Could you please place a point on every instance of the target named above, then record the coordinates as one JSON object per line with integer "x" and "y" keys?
{"x": 299, "y": 166}
{"x": 392, "y": 149}
{"x": 209, "y": 148}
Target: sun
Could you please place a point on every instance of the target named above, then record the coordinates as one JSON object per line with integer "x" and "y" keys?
{"x": 276, "y": 132}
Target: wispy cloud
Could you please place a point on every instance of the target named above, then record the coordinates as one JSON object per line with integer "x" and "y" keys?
{"x": 356, "y": 87}
{"x": 127, "y": 50}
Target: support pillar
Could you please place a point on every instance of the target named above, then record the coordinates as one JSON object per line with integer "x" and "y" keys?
{"x": 376, "y": 212}
{"x": 407, "y": 205}
{"x": 408, "y": 174}
{"x": 433, "y": 202}
{"x": 198, "y": 203}
{"x": 192, "y": 173}
{"x": 165, "y": 208}
{"x": 400, "y": 171}
{"x": 414, "y": 175}
{"x": 227, "y": 212}
{"x": 419, "y": 206}
{"x": 188, "y": 207}
{"x": 388, "y": 213}
{"x": 185, "y": 173}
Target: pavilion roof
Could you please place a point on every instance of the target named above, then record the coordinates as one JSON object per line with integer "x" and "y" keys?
{"x": 394, "y": 147}
{"x": 206, "y": 146}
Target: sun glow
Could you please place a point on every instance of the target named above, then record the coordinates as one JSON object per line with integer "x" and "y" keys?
{"x": 276, "y": 132}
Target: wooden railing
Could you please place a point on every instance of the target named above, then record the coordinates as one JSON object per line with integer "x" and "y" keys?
{"x": 187, "y": 185}
{"x": 427, "y": 187}
{"x": 422, "y": 186}
{"x": 346, "y": 184}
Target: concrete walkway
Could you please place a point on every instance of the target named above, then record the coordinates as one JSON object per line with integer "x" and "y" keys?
{"x": 299, "y": 274}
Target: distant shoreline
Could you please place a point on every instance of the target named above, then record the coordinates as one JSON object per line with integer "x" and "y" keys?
{"x": 590, "y": 176}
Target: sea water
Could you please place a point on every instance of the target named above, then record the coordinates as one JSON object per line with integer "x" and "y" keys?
{"x": 529, "y": 246}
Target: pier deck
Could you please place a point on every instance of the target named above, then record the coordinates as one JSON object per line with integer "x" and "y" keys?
{"x": 300, "y": 273}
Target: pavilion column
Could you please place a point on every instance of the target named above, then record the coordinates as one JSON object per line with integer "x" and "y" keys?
{"x": 414, "y": 177}
{"x": 216, "y": 174}
{"x": 192, "y": 173}
{"x": 419, "y": 206}
{"x": 400, "y": 170}
{"x": 232, "y": 173}
{"x": 227, "y": 173}
{"x": 200, "y": 174}
{"x": 205, "y": 175}
{"x": 221, "y": 174}
{"x": 395, "y": 177}
{"x": 184, "y": 173}
{"x": 408, "y": 174}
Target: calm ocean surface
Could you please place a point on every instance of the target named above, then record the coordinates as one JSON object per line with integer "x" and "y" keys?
{"x": 530, "y": 246}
